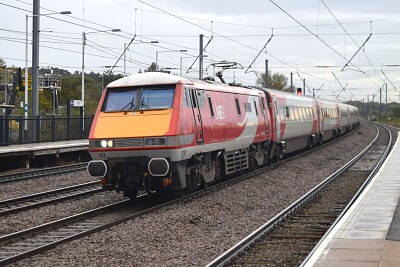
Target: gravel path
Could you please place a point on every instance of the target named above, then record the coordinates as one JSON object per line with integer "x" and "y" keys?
{"x": 195, "y": 232}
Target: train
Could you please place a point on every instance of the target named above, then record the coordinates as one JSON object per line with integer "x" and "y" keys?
{"x": 160, "y": 132}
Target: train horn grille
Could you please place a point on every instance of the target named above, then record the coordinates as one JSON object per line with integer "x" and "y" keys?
{"x": 128, "y": 142}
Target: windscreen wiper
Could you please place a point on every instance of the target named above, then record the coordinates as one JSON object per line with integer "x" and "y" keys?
{"x": 130, "y": 104}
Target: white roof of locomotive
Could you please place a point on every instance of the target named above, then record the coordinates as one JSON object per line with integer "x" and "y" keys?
{"x": 161, "y": 78}
{"x": 148, "y": 78}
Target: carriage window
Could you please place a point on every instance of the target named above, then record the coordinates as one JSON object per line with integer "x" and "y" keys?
{"x": 211, "y": 106}
{"x": 296, "y": 113}
{"x": 186, "y": 98}
{"x": 304, "y": 115}
{"x": 263, "y": 103}
{"x": 238, "y": 106}
{"x": 156, "y": 99}
{"x": 255, "y": 107}
{"x": 287, "y": 113}
{"x": 283, "y": 113}
{"x": 247, "y": 107}
{"x": 193, "y": 98}
{"x": 138, "y": 98}
{"x": 309, "y": 113}
{"x": 120, "y": 99}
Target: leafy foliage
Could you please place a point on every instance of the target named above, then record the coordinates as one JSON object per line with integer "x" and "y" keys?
{"x": 71, "y": 89}
{"x": 276, "y": 81}
{"x": 153, "y": 67}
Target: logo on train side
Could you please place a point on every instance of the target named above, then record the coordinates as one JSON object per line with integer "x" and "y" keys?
{"x": 220, "y": 113}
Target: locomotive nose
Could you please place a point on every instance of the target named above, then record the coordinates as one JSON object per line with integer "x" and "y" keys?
{"x": 97, "y": 168}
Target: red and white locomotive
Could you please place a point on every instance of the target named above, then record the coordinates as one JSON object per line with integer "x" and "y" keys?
{"x": 157, "y": 131}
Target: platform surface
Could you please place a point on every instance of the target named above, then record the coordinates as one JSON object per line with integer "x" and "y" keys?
{"x": 369, "y": 233}
{"x": 44, "y": 148}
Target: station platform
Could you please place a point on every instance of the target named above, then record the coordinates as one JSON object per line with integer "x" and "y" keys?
{"x": 44, "y": 148}
{"x": 29, "y": 154}
{"x": 369, "y": 233}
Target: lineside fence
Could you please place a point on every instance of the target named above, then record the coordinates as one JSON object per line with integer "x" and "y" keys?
{"x": 18, "y": 130}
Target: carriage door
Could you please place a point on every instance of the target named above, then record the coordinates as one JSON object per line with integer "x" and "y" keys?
{"x": 196, "y": 115}
{"x": 320, "y": 121}
{"x": 277, "y": 120}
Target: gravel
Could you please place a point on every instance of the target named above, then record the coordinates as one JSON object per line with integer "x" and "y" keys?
{"x": 34, "y": 217}
{"x": 194, "y": 232}
{"x": 47, "y": 183}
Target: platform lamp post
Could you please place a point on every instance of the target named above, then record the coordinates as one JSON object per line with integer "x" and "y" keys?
{"x": 83, "y": 71}
{"x": 26, "y": 69}
{"x": 166, "y": 51}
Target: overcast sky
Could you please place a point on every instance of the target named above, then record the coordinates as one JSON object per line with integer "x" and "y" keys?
{"x": 312, "y": 39}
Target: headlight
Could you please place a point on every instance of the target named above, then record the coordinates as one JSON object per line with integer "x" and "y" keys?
{"x": 110, "y": 143}
{"x": 159, "y": 141}
{"x": 104, "y": 143}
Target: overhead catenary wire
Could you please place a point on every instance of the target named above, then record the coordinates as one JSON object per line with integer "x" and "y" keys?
{"x": 325, "y": 43}
{"x": 354, "y": 41}
{"x": 259, "y": 26}
{"x": 264, "y": 47}
{"x": 288, "y": 66}
{"x": 330, "y": 47}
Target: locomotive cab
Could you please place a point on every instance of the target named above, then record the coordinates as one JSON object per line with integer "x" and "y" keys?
{"x": 133, "y": 137}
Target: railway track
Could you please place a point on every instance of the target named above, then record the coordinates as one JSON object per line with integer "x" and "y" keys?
{"x": 23, "y": 244}
{"x": 45, "y": 198}
{"x": 14, "y": 177}
{"x": 289, "y": 237}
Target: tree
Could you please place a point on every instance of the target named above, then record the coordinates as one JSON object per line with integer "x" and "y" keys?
{"x": 109, "y": 76}
{"x": 71, "y": 89}
{"x": 54, "y": 71}
{"x": 276, "y": 81}
{"x": 395, "y": 111}
{"x": 2, "y": 65}
{"x": 153, "y": 67}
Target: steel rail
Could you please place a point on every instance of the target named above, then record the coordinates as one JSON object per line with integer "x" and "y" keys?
{"x": 95, "y": 226}
{"x": 15, "y": 237}
{"x": 268, "y": 226}
{"x": 74, "y": 227}
{"x": 44, "y": 198}
{"x": 364, "y": 185}
{"x": 14, "y": 177}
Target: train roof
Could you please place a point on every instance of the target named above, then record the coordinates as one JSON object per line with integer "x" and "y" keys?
{"x": 161, "y": 78}
{"x": 148, "y": 78}
{"x": 289, "y": 95}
